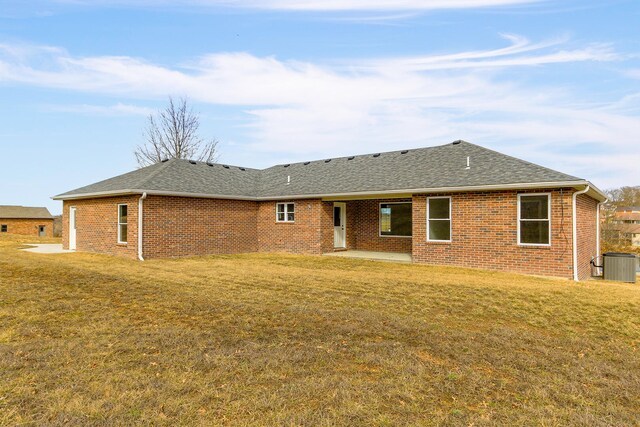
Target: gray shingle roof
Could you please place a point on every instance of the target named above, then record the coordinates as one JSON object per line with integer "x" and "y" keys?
{"x": 24, "y": 212}
{"x": 438, "y": 167}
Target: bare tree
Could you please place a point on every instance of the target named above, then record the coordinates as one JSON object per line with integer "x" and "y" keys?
{"x": 173, "y": 134}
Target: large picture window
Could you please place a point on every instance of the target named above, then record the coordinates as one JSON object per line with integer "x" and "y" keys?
{"x": 285, "y": 212}
{"x": 122, "y": 223}
{"x": 395, "y": 219}
{"x": 439, "y": 219}
{"x": 534, "y": 219}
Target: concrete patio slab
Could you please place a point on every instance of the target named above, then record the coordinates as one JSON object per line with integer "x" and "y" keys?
{"x": 372, "y": 255}
{"x": 47, "y": 248}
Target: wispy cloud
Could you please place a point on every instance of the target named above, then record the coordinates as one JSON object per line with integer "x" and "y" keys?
{"x": 317, "y": 5}
{"x": 302, "y": 109}
{"x": 118, "y": 109}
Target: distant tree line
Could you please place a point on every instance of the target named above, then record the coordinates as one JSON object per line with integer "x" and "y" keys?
{"x": 612, "y": 239}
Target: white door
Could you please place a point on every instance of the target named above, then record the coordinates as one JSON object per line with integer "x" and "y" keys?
{"x": 72, "y": 228}
{"x": 339, "y": 226}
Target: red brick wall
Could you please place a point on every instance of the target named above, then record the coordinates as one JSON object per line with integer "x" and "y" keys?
{"x": 97, "y": 225}
{"x": 363, "y": 228}
{"x": 184, "y": 226}
{"x": 28, "y": 227}
{"x": 484, "y": 230}
{"x": 304, "y": 236}
{"x": 586, "y": 213}
{"x": 484, "y": 234}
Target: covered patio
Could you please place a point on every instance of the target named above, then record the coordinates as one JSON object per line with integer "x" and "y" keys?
{"x": 369, "y": 228}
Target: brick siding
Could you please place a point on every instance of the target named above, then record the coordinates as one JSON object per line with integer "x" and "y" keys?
{"x": 484, "y": 230}
{"x": 484, "y": 234}
{"x": 97, "y": 225}
{"x": 184, "y": 226}
{"x": 28, "y": 227}
{"x": 304, "y": 236}
{"x": 586, "y": 212}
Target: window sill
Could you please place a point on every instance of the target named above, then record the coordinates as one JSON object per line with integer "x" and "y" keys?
{"x": 285, "y": 222}
{"x": 122, "y": 243}
{"x": 397, "y": 237}
{"x": 440, "y": 241}
{"x": 533, "y": 246}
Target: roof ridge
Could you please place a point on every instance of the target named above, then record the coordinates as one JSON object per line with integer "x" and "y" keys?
{"x": 369, "y": 154}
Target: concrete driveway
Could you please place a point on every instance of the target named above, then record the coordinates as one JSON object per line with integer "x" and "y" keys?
{"x": 48, "y": 248}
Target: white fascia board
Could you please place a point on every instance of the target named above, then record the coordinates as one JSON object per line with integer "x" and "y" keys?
{"x": 597, "y": 194}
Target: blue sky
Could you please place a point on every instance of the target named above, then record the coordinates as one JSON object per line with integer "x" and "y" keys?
{"x": 554, "y": 82}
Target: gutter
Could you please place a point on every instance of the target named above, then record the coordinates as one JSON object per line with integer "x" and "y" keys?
{"x": 403, "y": 192}
{"x": 575, "y": 233}
{"x": 140, "y": 205}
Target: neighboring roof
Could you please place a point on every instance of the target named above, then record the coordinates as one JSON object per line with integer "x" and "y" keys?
{"x": 438, "y": 168}
{"x": 627, "y": 216}
{"x": 24, "y": 212}
{"x": 633, "y": 209}
{"x": 623, "y": 228}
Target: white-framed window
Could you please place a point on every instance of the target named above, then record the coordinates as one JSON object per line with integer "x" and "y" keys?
{"x": 396, "y": 219}
{"x": 439, "y": 219}
{"x": 285, "y": 212}
{"x": 122, "y": 223}
{"x": 534, "y": 219}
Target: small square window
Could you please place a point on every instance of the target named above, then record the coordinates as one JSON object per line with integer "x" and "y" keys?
{"x": 285, "y": 212}
{"x": 3, "y": 228}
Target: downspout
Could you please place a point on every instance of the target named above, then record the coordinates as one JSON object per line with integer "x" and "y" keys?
{"x": 140, "y": 203}
{"x": 575, "y": 233}
{"x": 598, "y": 226}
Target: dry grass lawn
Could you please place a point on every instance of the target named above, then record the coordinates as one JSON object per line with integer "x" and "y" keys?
{"x": 290, "y": 340}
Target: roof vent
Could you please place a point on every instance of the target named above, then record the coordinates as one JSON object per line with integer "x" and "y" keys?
{"x": 287, "y": 165}
{"x": 164, "y": 160}
{"x": 209, "y": 164}
{"x": 327, "y": 161}
{"x": 376, "y": 155}
{"x": 404, "y": 151}
{"x": 306, "y": 163}
{"x": 351, "y": 158}
{"x": 225, "y": 166}
{"x": 193, "y": 162}
{"x": 456, "y": 142}
{"x": 242, "y": 169}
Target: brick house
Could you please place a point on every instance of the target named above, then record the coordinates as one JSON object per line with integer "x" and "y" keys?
{"x": 30, "y": 221}
{"x": 457, "y": 204}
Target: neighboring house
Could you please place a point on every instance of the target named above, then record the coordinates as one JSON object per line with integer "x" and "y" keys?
{"x": 625, "y": 225}
{"x": 457, "y": 204}
{"x": 26, "y": 220}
